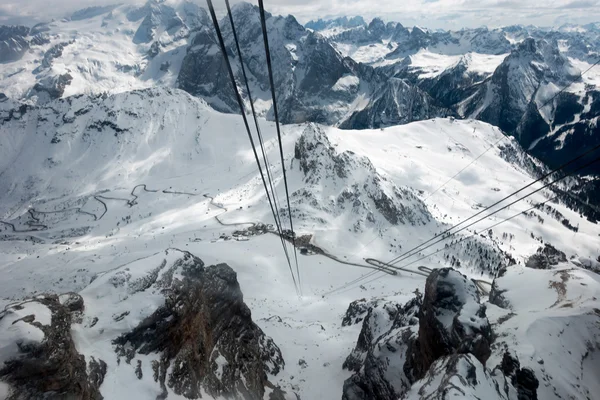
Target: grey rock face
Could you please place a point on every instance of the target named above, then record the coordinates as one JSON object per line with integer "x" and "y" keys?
{"x": 51, "y": 368}
{"x": 51, "y": 87}
{"x": 453, "y": 85}
{"x": 341, "y": 22}
{"x": 381, "y": 350}
{"x": 159, "y": 17}
{"x": 523, "y": 379}
{"x": 451, "y": 321}
{"x": 54, "y": 52}
{"x": 433, "y": 347}
{"x": 204, "y": 318}
{"x": 545, "y": 257}
{"x": 13, "y": 42}
{"x": 517, "y": 79}
{"x": 369, "y": 195}
{"x": 213, "y": 82}
{"x": 397, "y": 103}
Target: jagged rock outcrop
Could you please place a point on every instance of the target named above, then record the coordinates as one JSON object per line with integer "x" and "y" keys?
{"x": 203, "y": 334}
{"x": 451, "y": 320}
{"x": 396, "y": 103}
{"x": 435, "y": 347}
{"x": 546, "y": 257}
{"x": 496, "y": 296}
{"x": 54, "y": 52}
{"x": 205, "y": 55}
{"x": 456, "y": 376}
{"x": 357, "y": 186}
{"x": 454, "y": 84}
{"x": 50, "y": 88}
{"x": 168, "y": 321}
{"x": 341, "y": 22}
{"x": 381, "y": 350}
{"x": 38, "y": 357}
{"x": 464, "y": 376}
{"x": 13, "y": 42}
{"x": 157, "y": 17}
{"x": 523, "y": 379}
{"x": 356, "y": 311}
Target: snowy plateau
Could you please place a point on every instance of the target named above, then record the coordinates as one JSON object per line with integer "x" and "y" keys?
{"x": 138, "y": 257}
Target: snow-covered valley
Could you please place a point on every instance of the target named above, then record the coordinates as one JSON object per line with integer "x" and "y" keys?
{"x": 138, "y": 252}
{"x": 93, "y": 187}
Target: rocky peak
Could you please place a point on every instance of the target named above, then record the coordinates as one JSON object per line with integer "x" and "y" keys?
{"x": 435, "y": 346}
{"x": 355, "y": 21}
{"x": 38, "y": 357}
{"x": 13, "y": 42}
{"x": 157, "y": 15}
{"x": 399, "y": 33}
{"x": 377, "y": 26}
{"x": 10, "y": 31}
{"x": 181, "y": 326}
{"x": 451, "y": 320}
{"x": 396, "y": 103}
{"x": 417, "y": 33}
{"x": 341, "y": 22}
{"x": 203, "y": 323}
{"x": 546, "y": 257}
{"x": 354, "y": 182}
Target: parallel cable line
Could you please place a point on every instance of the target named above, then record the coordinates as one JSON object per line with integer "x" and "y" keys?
{"x": 241, "y": 105}
{"x": 367, "y": 275}
{"x": 410, "y": 252}
{"x": 516, "y": 126}
{"x": 260, "y": 137}
{"x": 347, "y": 286}
{"x": 276, "y": 116}
{"x": 504, "y": 207}
{"x": 498, "y": 141}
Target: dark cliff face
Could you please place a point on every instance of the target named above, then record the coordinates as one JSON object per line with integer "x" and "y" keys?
{"x": 13, "y": 42}
{"x": 204, "y": 74}
{"x": 204, "y": 320}
{"x": 434, "y": 345}
{"x": 397, "y": 102}
{"x": 200, "y": 340}
{"x": 49, "y": 368}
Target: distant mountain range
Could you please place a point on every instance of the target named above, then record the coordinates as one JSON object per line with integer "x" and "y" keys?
{"x": 343, "y": 72}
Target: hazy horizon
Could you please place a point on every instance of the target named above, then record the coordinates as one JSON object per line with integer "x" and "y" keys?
{"x": 432, "y": 14}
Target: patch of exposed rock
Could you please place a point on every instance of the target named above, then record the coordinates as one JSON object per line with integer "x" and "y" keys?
{"x": 13, "y": 42}
{"x": 451, "y": 320}
{"x": 38, "y": 357}
{"x": 343, "y": 182}
{"x": 204, "y": 335}
{"x": 50, "y": 88}
{"x": 434, "y": 347}
{"x": 546, "y": 257}
{"x": 167, "y": 324}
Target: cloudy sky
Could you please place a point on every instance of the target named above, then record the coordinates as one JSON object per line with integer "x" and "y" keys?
{"x": 447, "y": 14}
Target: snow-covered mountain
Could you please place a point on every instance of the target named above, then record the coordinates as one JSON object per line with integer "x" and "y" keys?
{"x": 343, "y": 72}
{"x": 524, "y": 96}
{"x": 124, "y": 199}
{"x": 137, "y": 246}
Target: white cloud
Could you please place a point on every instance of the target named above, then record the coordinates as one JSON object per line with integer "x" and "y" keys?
{"x": 453, "y": 14}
